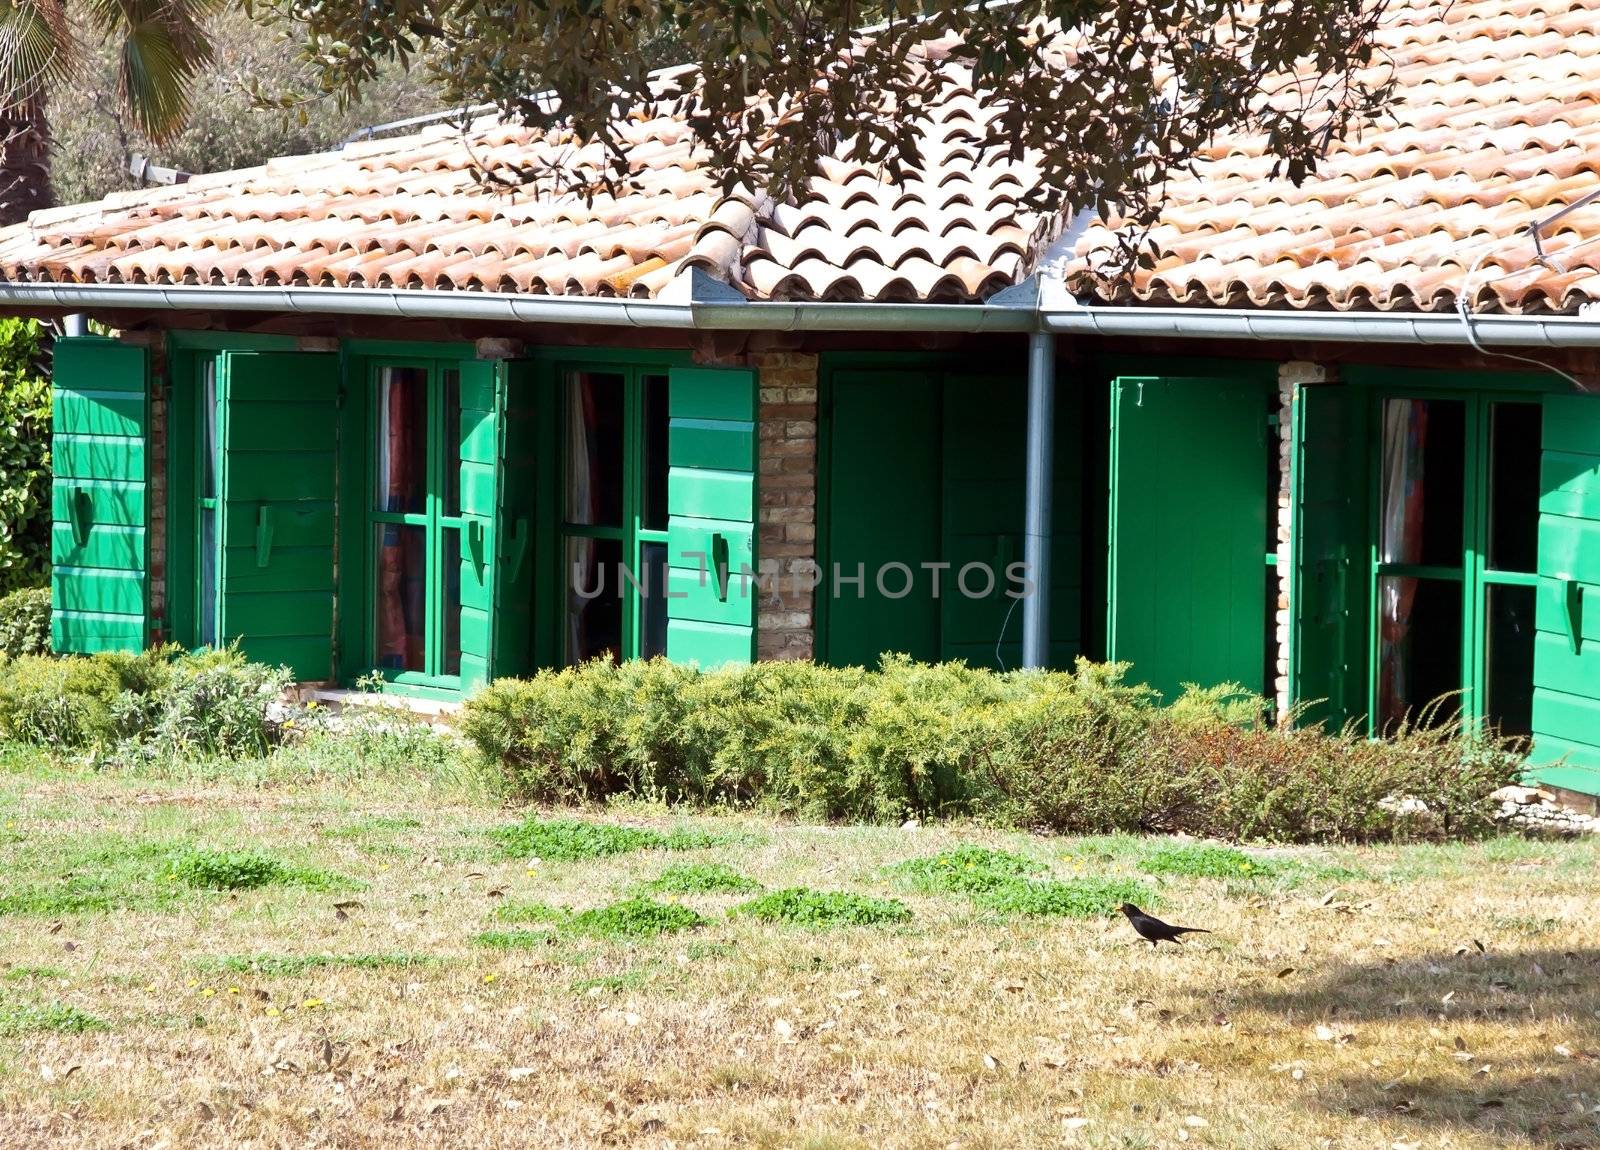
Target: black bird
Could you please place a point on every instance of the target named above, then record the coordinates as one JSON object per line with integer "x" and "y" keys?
{"x": 1153, "y": 929}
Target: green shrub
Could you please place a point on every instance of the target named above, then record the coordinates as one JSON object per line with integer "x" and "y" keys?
{"x": 1079, "y": 752}
{"x": 805, "y": 907}
{"x": 633, "y": 918}
{"x": 630, "y": 918}
{"x": 217, "y": 702}
{"x": 511, "y": 939}
{"x": 246, "y": 870}
{"x": 1076, "y": 898}
{"x": 214, "y": 702}
{"x": 525, "y": 912}
{"x": 1208, "y": 862}
{"x": 25, "y": 502}
{"x": 25, "y": 622}
{"x": 52, "y": 1018}
{"x": 291, "y": 965}
{"x": 968, "y": 870}
{"x": 568, "y": 840}
{"x": 701, "y": 878}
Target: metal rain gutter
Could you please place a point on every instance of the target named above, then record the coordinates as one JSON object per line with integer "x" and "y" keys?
{"x": 698, "y": 302}
{"x": 679, "y": 310}
{"x": 1416, "y": 328}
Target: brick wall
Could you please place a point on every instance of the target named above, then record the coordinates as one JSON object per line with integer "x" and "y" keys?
{"x": 1292, "y": 376}
{"x": 787, "y": 543}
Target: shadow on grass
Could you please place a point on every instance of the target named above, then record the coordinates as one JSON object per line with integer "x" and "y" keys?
{"x": 1504, "y": 1042}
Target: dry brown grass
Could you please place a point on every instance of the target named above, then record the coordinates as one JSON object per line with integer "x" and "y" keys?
{"x": 1370, "y": 1018}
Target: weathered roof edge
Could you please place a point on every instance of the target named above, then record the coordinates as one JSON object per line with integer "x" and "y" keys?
{"x": 697, "y": 301}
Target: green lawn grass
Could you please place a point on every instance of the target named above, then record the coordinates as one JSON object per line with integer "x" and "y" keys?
{"x": 228, "y": 960}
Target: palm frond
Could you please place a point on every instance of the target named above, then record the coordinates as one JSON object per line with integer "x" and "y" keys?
{"x": 36, "y": 47}
{"x": 161, "y": 47}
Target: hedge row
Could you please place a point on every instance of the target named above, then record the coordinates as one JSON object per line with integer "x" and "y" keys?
{"x": 1072, "y": 752}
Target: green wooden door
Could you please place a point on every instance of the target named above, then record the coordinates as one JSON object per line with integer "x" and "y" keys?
{"x": 482, "y": 399}
{"x": 711, "y": 516}
{"x": 1566, "y": 671}
{"x": 884, "y": 498}
{"x": 982, "y": 433}
{"x": 1188, "y": 531}
{"x": 99, "y": 579}
{"x": 1328, "y": 651}
{"x": 279, "y": 422}
{"x": 983, "y": 430}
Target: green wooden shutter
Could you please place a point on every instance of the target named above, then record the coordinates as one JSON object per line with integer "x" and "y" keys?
{"x": 529, "y": 477}
{"x": 99, "y": 581}
{"x": 1328, "y": 653}
{"x": 1566, "y": 661}
{"x": 279, "y": 423}
{"x": 883, "y": 444}
{"x": 711, "y": 512}
{"x": 482, "y": 405}
{"x": 1187, "y": 526}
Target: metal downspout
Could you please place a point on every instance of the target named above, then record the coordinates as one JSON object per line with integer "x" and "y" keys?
{"x": 1039, "y": 497}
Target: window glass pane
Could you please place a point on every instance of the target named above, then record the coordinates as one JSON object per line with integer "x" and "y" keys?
{"x": 450, "y": 549}
{"x": 594, "y": 600}
{"x": 209, "y": 468}
{"x": 452, "y": 442}
{"x": 594, "y": 448}
{"x": 1424, "y": 445}
{"x": 1419, "y": 623}
{"x": 1508, "y": 660}
{"x": 209, "y": 460}
{"x": 402, "y": 597}
{"x": 654, "y": 513}
{"x": 208, "y": 576}
{"x": 1514, "y": 447}
{"x": 652, "y": 600}
{"x": 401, "y": 449}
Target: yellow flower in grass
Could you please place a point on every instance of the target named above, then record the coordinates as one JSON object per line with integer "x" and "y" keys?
{"x": 312, "y": 1004}
{"x": 272, "y": 1012}
{"x": 233, "y": 990}
{"x": 208, "y": 992}
{"x": 490, "y": 977}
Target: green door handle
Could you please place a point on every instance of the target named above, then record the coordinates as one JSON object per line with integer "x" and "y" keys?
{"x": 475, "y": 546}
{"x": 1572, "y": 597}
{"x": 516, "y": 548}
{"x": 78, "y": 508}
{"x": 263, "y": 535}
{"x": 719, "y": 563}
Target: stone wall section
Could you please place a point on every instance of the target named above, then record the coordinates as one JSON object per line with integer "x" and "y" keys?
{"x": 787, "y": 485}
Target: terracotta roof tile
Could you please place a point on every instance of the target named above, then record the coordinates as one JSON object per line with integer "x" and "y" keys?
{"x": 1496, "y": 126}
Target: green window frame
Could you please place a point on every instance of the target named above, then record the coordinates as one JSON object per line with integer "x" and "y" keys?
{"x": 630, "y": 532}
{"x": 442, "y": 413}
{"x": 1478, "y": 393}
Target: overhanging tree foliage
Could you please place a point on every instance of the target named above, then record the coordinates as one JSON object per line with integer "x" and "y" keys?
{"x": 161, "y": 46}
{"x": 1106, "y": 97}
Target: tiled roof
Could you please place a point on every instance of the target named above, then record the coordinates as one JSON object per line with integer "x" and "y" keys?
{"x": 1496, "y": 125}
{"x": 412, "y": 212}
